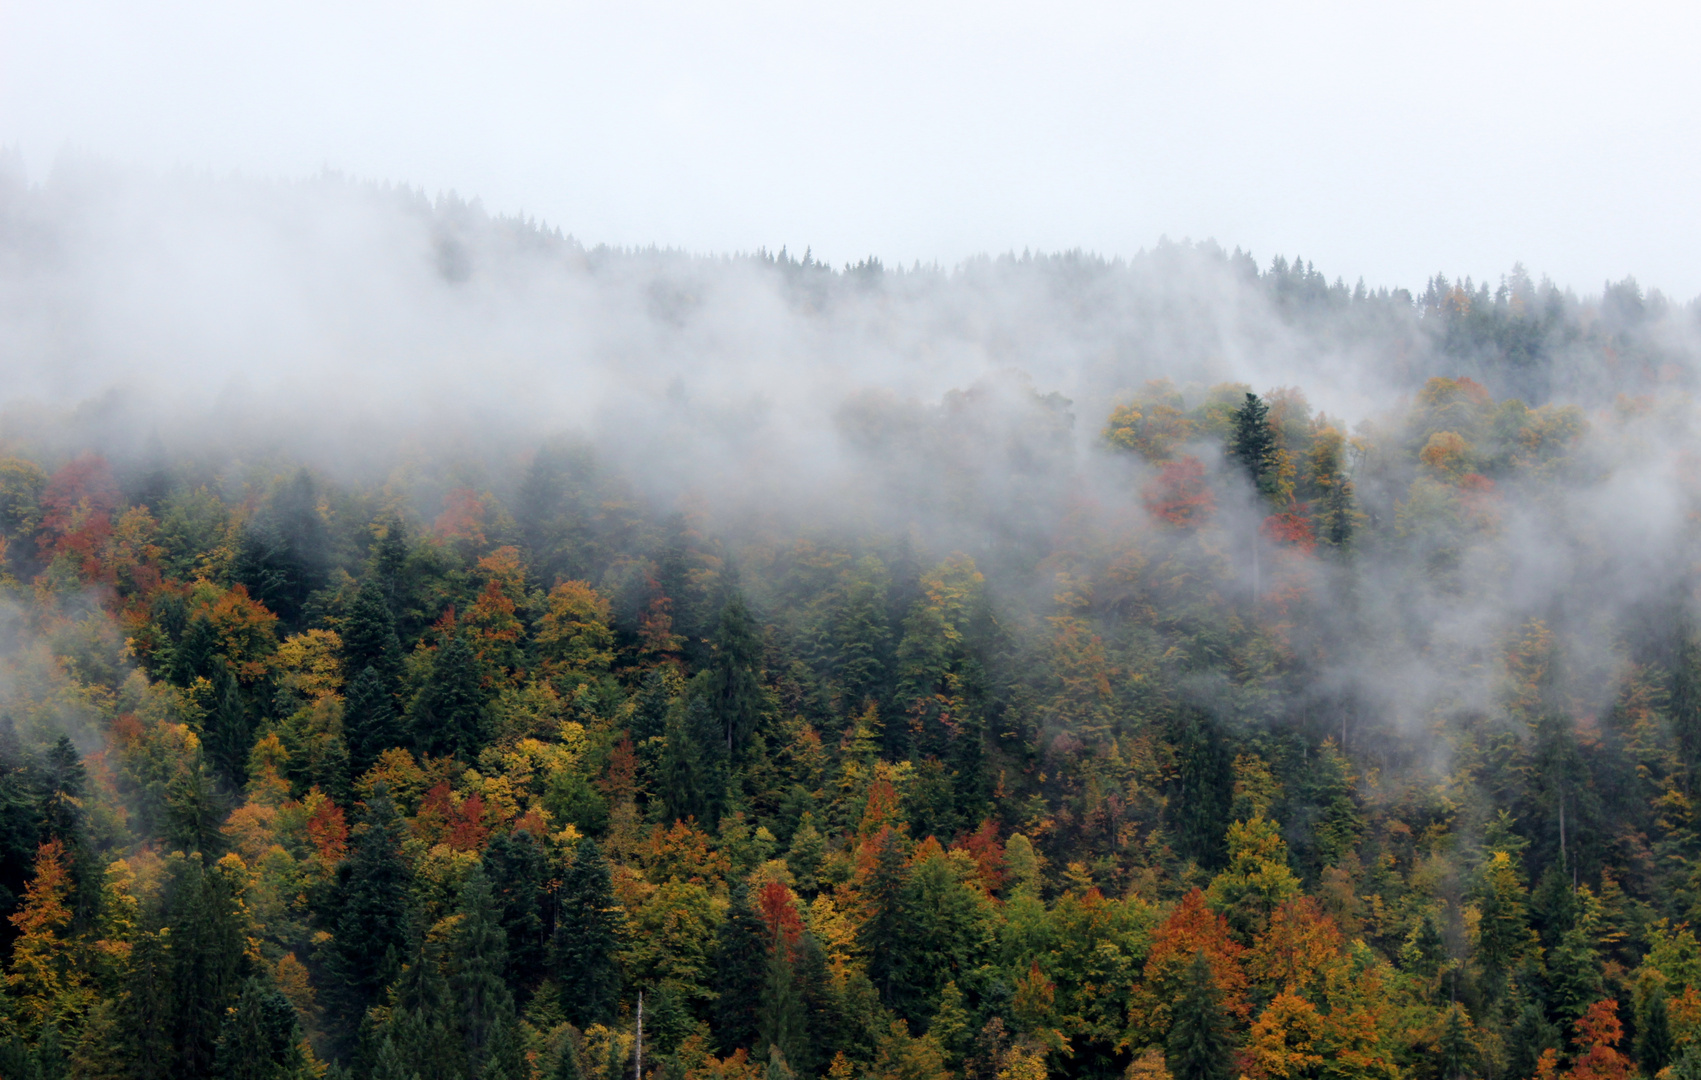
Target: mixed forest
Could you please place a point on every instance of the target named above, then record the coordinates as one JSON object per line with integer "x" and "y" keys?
{"x": 479, "y": 772}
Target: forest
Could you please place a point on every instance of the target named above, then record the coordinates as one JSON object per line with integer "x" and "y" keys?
{"x": 1160, "y": 726}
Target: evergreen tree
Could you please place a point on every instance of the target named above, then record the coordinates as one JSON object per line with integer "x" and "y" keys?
{"x": 1252, "y": 444}
{"x": 821, "y": 1014}
{"x": 1653, "y": 1044}
{"x": 505, "y": 1057}
{"x": 582, "y": 954}
{"x": 1531, "y": 1034}
{"x": 448, "y": 714}
{"x": 229, "y": 730}
{"x": 423, "y": 1023}
{"x": 1198, "y": 1045}
{"x": 567, "y": 1061}
{"x": 693, "y": 761}
{"x": 741, "y": 948}
{"x": 208, "y": 945}
{"x": 1204, "y": 790}
{"x": 261, "y": 1039}
{"x": 369, "y": 636}
{"x": 734, "y": 673}
{"x": 370, "y": 913}
{"x": 780, "y": 1018}
{"x": 369, "y": 720}
{"x": 1458, "y": 1054}
{"x": 885, "y": 935}
{"x": 49, "y": 1061}
{"x": 479, "y": 962}
{"x": 518, "y": 871}
{"x": 145, "y": 1047}
{"x": 284, "y": 555}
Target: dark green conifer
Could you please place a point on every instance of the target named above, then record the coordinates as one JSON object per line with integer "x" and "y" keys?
{"x": 1198, "y": 1045}
{"x": 371, "y": 909}
{"x": 478, "y": 963}
{"x": 734, "y": 673}
{"x": 369, "y": 720}
{"x": 261, "y": 1039}
{"x": 1458, "y": 1054}
{"x": 207, "y": 959}
{"x": 1653, "y": 1045}
{"x": 369, "y": 636}
{"x": 518, "y": 871}
{"x": 741, "y": 954}
{"x": 884, "y": 936}
{"x": 1252, "y": 444}
{"x": 448, "y": 714}
{"x": 582, "y": 954}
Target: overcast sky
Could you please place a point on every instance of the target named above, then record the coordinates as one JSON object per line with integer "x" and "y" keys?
{"x": 1388, "y": 141}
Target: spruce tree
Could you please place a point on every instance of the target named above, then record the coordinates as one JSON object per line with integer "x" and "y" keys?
{"x": 1252, "y": 444}
{"x": 146, "y": 996}
{"x": 885, "y": 936}
{"x": 1653, "y": 1045}
{"x": 582, "y": 952}
{"x": 1457, "y": 1053}
{"x": 261, "y": 1039}
{"x": 780, "y": 1018}
{"x": 207, "y": 959}
{"x": 371, "y": 908}
{"x": 479, "y": 963}
{"x": 369, "y": 720}
{"x": 369, "y": 636}
{"x": 229, "y": 730}
{"x": 734, "y": 673}
{"x": 567, "y": 1061}
{"x": 1198, "y": 1044}
{"x": 518, "y": 871}
{"x": 448, "y": 714}
{"x": 741, "y": 948}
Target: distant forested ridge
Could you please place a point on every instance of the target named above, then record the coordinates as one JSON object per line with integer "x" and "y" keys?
{"x": 1179, "y": 731}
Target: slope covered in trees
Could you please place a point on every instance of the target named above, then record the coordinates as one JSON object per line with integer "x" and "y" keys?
{"x": 1151, "y": 726}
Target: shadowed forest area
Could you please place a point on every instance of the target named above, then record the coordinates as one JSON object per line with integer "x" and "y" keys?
{"x": 1153, "y": 726}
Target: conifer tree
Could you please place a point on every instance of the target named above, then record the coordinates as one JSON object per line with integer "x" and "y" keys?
{"x": 567, "y": 1061}
{"x": 582, "y": 954}
{"x": 1198, "y": 1044}
{"x": 780, "y": 1018}
{"x": 448, "y": 714}
{"x": 369, "y": 720}
{"x": 1457, "y": 1052}
{"x": 884, "y": 936}
{"x": 1252, "y": 444}
{"x": 734, "y": 673}
{"x": 372, "y": 905}
{"x": 144, "y": 1042}
{"x": 518, "y": 871}
{"x": 369, "y": 636}
{"x": 261, "y": 1039}
{"x": 741, "y": 952}
{"x": 479, "y": 962}
{"x": 1653, "y": 1044}
{"x": 207, "y": 935}
{"x": 229, "y": 729}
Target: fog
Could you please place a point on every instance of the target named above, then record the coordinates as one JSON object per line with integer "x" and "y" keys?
{"x": 383, "y": 337}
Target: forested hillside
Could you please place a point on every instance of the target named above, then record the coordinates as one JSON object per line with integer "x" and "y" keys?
{"x": 1175, "y": 728}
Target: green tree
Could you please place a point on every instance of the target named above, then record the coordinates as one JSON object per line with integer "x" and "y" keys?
{"x": 884, "y": 935}
{"x": 1252, "y": 444}
{"x": 478, "y": 962}
{"x": 1653, "y": 1045}
{"x": 261, "y": 1039}
{"x": 369, "y": 636}
{"x": 1198, "y": 1044}
{"x": 741, "y": 954}
{"x": 370, "y": 909}
{"x": 369, "y": 719}
{"x": 448, "y": 714}
{"x": 208, "y": 943}
{"x": 1455, "y": 1049}
{"x": 735, "y": 673}
{"x": 583, "y": 952}
{"x": 519, "y": 876}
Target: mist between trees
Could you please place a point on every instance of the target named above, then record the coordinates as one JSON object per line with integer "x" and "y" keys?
{"x": 424, "y": 636}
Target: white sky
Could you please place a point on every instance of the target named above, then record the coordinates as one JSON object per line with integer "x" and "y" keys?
{"x": 1388, "y": 141}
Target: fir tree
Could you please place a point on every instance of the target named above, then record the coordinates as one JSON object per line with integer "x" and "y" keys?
{"x": 1252, "y": 444}
{"x": 1458, "y": 1054}
{"x": 885, "y": 936}
{"x": 261, "y": 1039}
{"x": 448, "y": 714}
{"x": 372, "y": 904}
{"x": 582, "y": 952}
{"x": 1653, "y": 1044}
{"x": 479, "y": 961}
{"x": 741, "y": 948}
{"x": 1198, "y": 1045}
{"x": 518, "y": 871}
{"x": 734, "y": 673}
{"x": 369, "y": 636}
{"x": 369, "y": 720}
{"x": 146, "y": 995}
{"x": 208, "y": 946}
